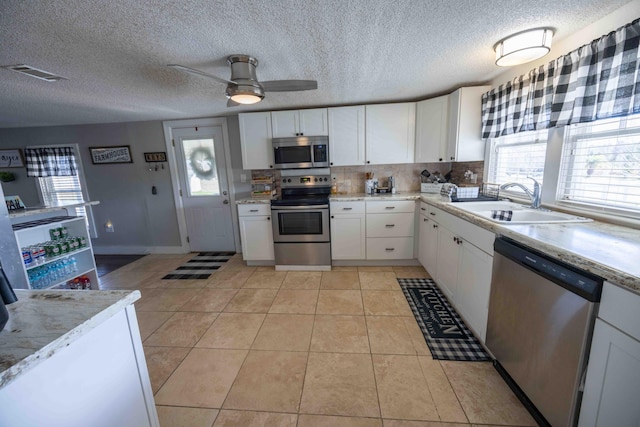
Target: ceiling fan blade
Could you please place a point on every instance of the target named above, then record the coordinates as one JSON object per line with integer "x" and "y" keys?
{"x": 288, "y": 85}
{"x": 231, "y": 103}
{"x": 200, "y": 73}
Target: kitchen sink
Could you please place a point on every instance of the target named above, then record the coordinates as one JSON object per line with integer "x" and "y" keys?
{"x": 522, "y": 214}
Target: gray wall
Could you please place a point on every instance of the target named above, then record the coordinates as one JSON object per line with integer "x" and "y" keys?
{"x": 141, "y": 220}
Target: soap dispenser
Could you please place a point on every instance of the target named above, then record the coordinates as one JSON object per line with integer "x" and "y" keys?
{"x": 8, "y": 297}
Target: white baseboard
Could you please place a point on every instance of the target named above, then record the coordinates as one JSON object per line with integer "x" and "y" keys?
{"x": 138, "y": 250}
{"x": 376, "y": 263}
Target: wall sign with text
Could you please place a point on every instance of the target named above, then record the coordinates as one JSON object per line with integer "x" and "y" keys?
{"x": 11, "y": 158}
{"x": 115, "y": 154}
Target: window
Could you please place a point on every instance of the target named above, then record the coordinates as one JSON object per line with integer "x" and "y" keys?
{"x": 516, "y": 157}
{"x": 56, "y": 190}
{"x": 600, "y": 165}
{"x": 60, "y": 190}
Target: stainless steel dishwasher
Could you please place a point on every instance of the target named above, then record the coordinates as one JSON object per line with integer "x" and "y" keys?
{"x": 541, "y": 317}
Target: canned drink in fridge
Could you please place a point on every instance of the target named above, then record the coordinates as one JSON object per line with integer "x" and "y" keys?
{"x": 26, "y": 256}
{"x": 63, "y": 232}
{"x": 54, "y": 233}
{"x": 83, "y": 242}
{"x": 64, "y": 247}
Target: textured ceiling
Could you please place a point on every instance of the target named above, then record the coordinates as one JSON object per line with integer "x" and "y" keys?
{"x": 114, "y": 53}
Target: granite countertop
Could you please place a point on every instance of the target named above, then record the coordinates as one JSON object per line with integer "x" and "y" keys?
{"x": 45, "y": 209}
{"x": 250, "y": 201}
{"x": 41, "y": 323}
{"x": 353, "y": 197}
{"x": 606, "y": 250}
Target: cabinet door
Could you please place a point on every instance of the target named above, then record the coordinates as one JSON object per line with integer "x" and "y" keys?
{"x": 346, "y": 136}
{"x": 255, "y": 140}
{"x": 464, "y": 140}
{"x": 448, "y": 261}
{"x": 257, "y": 238}
{"x": 431, "y": 129}
{"x": 428, "y": 245}
{"x": 474, "y": 287}
{"x": 348, "y": 236}
{"x": 285, "y": 123}
{"x": 313, "y": 122}
{"x": 612, "y": 386}
{"x": 390, "y": 133}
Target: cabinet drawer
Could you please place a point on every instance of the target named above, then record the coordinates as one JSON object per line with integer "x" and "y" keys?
{"x": 390, "y": 206}
{"x": 424, "y": 209}
{"x": 347, "y": 207}
{"x": 389, "y": 247}
{"x": 390, "y": 225}
{"x": 620, "y": 308}
{"x": 254, "y": 209}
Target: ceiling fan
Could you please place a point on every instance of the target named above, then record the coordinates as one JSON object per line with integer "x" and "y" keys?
{"x": 244, "y": 87}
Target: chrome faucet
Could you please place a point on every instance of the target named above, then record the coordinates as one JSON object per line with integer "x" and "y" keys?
{"x": 534, "y": 196}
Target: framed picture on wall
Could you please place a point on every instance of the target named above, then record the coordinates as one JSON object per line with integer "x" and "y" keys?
{"x": 106, "y": 155}
{"x": 11, "y": 158}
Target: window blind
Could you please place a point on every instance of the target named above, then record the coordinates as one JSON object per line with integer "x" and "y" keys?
{"x": 58, "y": 190}
{"x": 600, "y": 164}
{"x": 516, "y": 157}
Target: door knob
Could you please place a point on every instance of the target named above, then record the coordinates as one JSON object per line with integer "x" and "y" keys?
{"x": 224, "y": 193}
{"x": 226, "y": 202}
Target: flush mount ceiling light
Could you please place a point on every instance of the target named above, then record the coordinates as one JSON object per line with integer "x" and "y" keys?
{"x": 245, "y": 94}
{"x": 523, "y": 47}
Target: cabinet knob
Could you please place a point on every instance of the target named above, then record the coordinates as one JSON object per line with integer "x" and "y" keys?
{"x": 432, "y": 213}
{"x": 435, "y": 225}
{"x": 424, "y": 219}
{"x": 440, "y": 159}
{"x": 253, "y": 210}
{"x": 268, "y": 218}
{"x": 390, "y": 225}
{"x": 331, "y": 164}
{"x": 332, "y": 217}
{"x": 390, "y": 207}
{"x": 346, "y": 209}
{"x": 453, "y": 158}
{"x": 422, "y": 209}
{"x": 389, "y": 249}
{"x": 270, "y": 166}
{"x": 368, "y": 162}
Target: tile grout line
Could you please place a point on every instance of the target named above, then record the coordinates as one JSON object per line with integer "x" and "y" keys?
{"x": 366, "y": 325}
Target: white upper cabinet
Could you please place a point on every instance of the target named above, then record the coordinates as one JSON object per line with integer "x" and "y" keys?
{"x": 390, "y": 133}
{"x": 288, "y": 123}
{"x": 346, "y": 136}
{"x": 255, "y": 140}
{"x": 431, "y": 130}
{"x": 465, "y": 143}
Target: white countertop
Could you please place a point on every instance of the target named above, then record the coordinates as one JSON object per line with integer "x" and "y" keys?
{"x": 606, "y": 250}
{"x": 44, "y": 209}
{"x": 43, "y": 322}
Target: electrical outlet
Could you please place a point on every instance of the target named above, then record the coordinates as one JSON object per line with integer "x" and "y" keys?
{"x": 243, "y": 177}
{"x": 109, "y": 227}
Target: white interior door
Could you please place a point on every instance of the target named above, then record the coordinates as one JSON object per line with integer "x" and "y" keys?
{"x": 204, "y": 188}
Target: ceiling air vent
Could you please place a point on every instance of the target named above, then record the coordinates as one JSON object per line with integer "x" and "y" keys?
{"x": 34, "y": 72}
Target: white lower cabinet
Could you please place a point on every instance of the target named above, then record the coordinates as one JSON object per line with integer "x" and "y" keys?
{"x": 348, "y": 231}
{"x": 474, "y": 287}
{"x": 460, "y": 262}
{"x": 256, "y": 232}
{"x": 612, "y": 383}
{"x": 390, "y": 229}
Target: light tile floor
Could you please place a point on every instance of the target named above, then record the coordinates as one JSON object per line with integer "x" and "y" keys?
{"x": 254, "y": 347}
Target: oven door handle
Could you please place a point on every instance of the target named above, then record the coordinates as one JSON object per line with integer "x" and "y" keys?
{"x": 298, "y": 208}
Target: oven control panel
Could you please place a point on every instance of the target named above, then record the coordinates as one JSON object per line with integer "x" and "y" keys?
{"x": 306, "y": 181}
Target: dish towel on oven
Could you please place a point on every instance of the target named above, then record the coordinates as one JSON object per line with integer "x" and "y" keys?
{"x": 502, "y": 215}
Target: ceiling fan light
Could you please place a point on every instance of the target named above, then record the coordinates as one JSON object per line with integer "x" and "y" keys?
{"x": 523, "y": 47}
{"x": 245, "y": 94}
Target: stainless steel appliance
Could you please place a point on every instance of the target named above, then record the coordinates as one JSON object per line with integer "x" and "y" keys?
{"x": 301, "y": 152}
{"x": 541, "y": 317}
{"x": 301, "y": 235}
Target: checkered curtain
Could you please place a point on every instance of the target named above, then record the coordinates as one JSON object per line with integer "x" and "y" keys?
{"x": 596, "y": 81}
{"x": 50, "y": 161}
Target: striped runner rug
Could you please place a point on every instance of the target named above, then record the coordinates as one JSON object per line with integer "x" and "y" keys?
{"x": 200, "y": 267}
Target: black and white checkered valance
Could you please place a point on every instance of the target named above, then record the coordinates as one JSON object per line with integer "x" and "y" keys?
{"x": 596, "y": 81}
{"x": 50, "y": 161}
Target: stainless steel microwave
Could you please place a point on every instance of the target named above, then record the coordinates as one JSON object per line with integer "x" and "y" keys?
{"x": 301, "y": 152}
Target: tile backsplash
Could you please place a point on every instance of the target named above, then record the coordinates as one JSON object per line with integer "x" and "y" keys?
{"x": 351, "y": 179}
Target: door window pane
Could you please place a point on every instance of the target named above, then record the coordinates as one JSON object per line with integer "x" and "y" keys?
{"x": 200, "y": 166}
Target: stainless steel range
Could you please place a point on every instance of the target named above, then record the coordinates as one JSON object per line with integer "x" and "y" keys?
{"x": 301, "y": 235}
